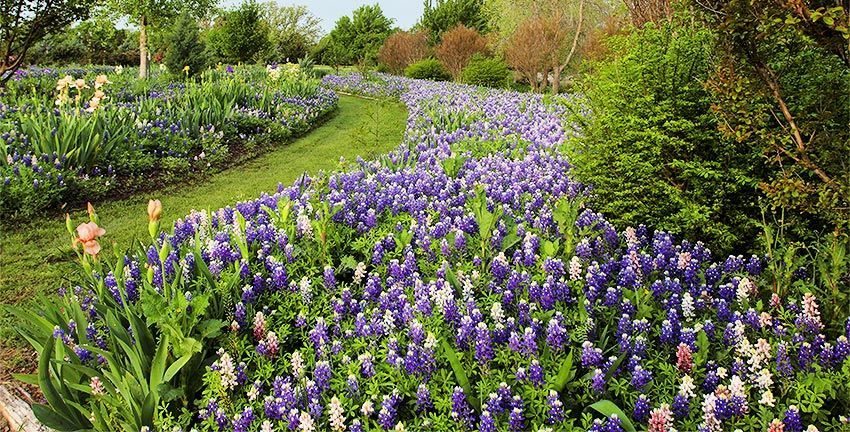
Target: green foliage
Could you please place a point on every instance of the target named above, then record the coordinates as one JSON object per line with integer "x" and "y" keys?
{"x": 487, "y": 72}
{"x": 185, "y": 48}
{"x": 430, "y": 69}
{"x": 783, "y": 86}
{"x": 240, "y": 35}
{"x": 145, "y": 345}
{"x": 158, "y": 13}
{"x": 447, "y": 14}
{"x": 24, "y": 22}
{"x": 820, "y": 266}
{"x": 83, "y": 139}
{"x": 650, "y": 146}
{"x": 293, "y": 31}
{"x": 94, "y": 41}
{"x": 357, "y": 39}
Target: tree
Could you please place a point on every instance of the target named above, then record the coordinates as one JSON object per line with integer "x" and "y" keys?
{"x": 644, "y": 11}
{"x": 402, "y": 49}
{"x": 529, "y": 53}
{"x": 569, "y": 23}
{"x": 357, "y": 39}
{"x": 293, "y": 30}
{"x": 240, "y": 35}
{"x": 564, "y": 39}
{"x": 185, "y": 47}
{"x": 146, "y": 13}
{"x": 458, "y": 46}
{"x": 25, "y": 22}
{"x": 783, "y": 85}
{"x": 448, "y": 14}
{"x": 99, "y": 36}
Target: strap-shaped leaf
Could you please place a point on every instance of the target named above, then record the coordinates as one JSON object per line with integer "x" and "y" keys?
{"x": 53, "y": 419}
{"x": 158, "y": 365}
{"x": 565, "y": 374}
{"x": 175, "y": 367}
{"x": 45, "y": 383}
{"x": 607, "y": 408}
{"x": 460, "y": 373}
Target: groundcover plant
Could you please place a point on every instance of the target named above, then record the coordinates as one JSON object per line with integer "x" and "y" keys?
{"x": 94, "y": 133}
{"x": 457, "y": 283}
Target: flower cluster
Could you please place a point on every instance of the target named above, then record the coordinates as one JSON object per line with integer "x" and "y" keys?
{"x": 459, "y": 283}
{"x": 83, "y": 146}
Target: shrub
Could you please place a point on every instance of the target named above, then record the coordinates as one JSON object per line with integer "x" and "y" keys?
{"x": 785, "y": 89}
{"x": 488, "y": 72}
{"x": 457, "y": 48}
{"x": 241, "y": 35}
{"x": 402, "y": 49}
{"x": 532, "y": 47}
{"x": 651, "y": 148}
{"x": 446, "y": 14}
{"x": 185, "y": 47}
{"x": 321, "y": 71}
{"x": 429, "y": 69}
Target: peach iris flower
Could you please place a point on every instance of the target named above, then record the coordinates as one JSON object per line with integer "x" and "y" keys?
{"x": 154, "y": 210}
{"x": 87, "y": 235}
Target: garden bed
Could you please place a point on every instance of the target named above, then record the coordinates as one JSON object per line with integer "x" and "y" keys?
{"x": 107, "y": 139}
{"x": 456, "y": 283}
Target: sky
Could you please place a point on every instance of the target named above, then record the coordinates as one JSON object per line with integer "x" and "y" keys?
{"x": 404, "y": 13}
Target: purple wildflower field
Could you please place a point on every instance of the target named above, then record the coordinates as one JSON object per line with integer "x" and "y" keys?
{"x": 459, "y": 282}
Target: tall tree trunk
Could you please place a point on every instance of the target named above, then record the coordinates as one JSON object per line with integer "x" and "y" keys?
{"x": 143, "y": 47}
{"x": 556, "y": 86}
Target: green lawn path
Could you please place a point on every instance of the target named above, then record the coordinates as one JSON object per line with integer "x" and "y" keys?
{"x": 36, "y": 256}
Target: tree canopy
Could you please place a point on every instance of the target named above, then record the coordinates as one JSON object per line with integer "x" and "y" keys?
{"x": 357, "y": 39}
{"x": 239, "y": 35}
{"x": 448, "y": 14}
{"x": 293, "y": 31}
{"x": 24, "y": 22}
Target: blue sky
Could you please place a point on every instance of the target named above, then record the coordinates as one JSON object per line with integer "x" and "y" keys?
{"x": 405, "y": 13}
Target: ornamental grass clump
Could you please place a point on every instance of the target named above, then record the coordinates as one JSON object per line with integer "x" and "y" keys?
{"x": 98, "y": 134}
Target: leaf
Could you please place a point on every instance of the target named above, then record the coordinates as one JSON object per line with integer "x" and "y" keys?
{"x": 565, "y": 374}
{"x": 459, "y": 372}
{"x": 31, "y": 379}
{"x": 614, "y": 367}
{"x": 607, "y": 408}
{"x": 175, "y": 367}
{"x": 210, "y": 328}
{"x": 25, "y": 316}
{"x": 45, "y": 382}
{"x": 549, "y": 248}
{"x": 53, "y": 419}
{"x": 158, "y": 366}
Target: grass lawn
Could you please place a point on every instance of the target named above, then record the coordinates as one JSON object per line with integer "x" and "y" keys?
{"x": 36, "y": 257}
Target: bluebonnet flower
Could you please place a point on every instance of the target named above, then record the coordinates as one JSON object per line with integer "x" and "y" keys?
{"x": 556, "y": 408}
{"x": 642, "y": 409}
{"x": 681, "y": 406}
{"x": 640, "y": 377}
{"x": 461, "y": 410}
{"x": 597, "y": 381}
{"x": 483, "y": 345}
{"x": 423, "y": 398}
{"x": 792, "y": 420}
